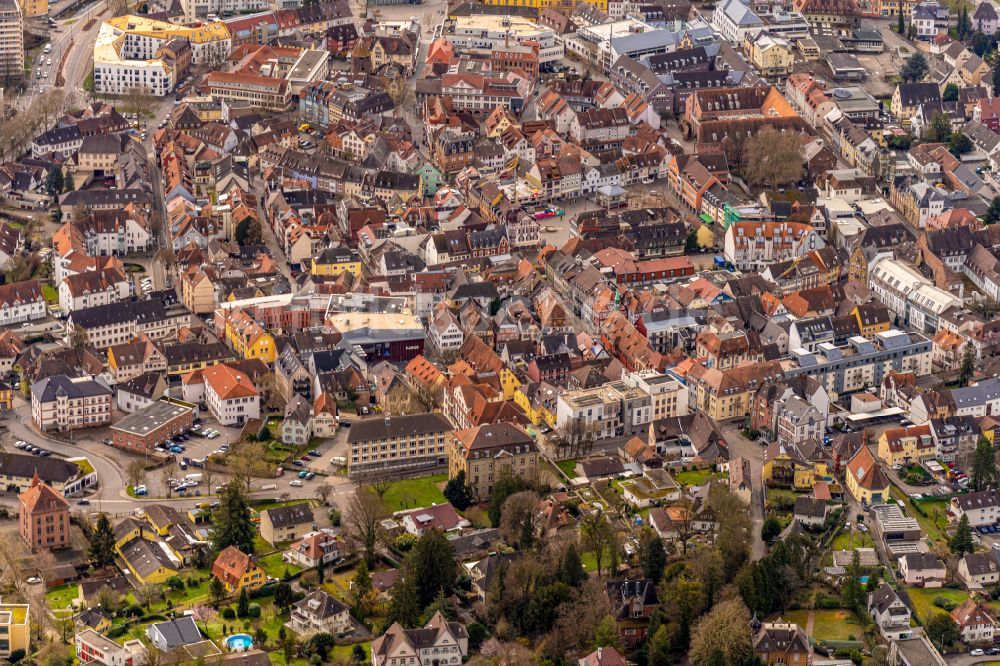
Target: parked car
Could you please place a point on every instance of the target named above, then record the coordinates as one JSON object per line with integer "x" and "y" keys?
{"x": 310, "y": 476}
{"x": 296, "y": 483}
{"x": 314, "y": 453}
{"x": 303, "y": 474}
{"x": 83, "y": 502}
{"x": 976, "y": 653}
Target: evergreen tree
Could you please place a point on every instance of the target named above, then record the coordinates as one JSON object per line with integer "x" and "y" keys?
{"x": 321, "y": 571}
{"x": 968, "y": 364}
{"x": 653, "y": 556}
{"x": 243, "y": 604}
{"x": 571, "y": 568}
{"x": 233, "y": 522}
{"x": 459, "y": 493}
{"x": 962, "y": 542}
{"x": 54, "y": 181}
{"x": 658, "y": 650}
{"x": 900, "y": 25}
{"x": 984, "y": 465}
{"x": 852, "y": 595}
{"x": 404, "y": 607}
{"x": 283, "y": 596}
{"x": 431, "y": 566}
{"x": 102, "y": 543}
{"x": 216, "y": 590}
{"x": 996, "y": 80}
{"x": 992, "y": 215}
{"x": 362, "y": 583}
{"x": 68, "y": 184}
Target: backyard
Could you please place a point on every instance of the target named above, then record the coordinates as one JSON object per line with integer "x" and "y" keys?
{"x": 932, "y": 519}
{"x": 923, "y": 599}
{"x": 828, "y": 625}
{"x": 848, "y": 540}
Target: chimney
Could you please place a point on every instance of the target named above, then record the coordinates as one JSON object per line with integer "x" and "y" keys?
{"x": 599, "y": 655}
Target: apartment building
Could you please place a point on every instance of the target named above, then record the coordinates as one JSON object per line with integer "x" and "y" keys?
{"x": 668, "y": 397}
{"x": 862, "y": 363}
{"x": 265, "y": 92}
{"x": 61, "y": 403}
{"x": 416, "y": 441}
{"x": 903, "y": 446}
{"x": 911, "y": 297}
{"x": 44, "y": 518}
{"x": 484, "y": 452}
{"x": 21, "y": 302}
{"x": 614, "y": 409}
{"x": 15, "y": 631}
{"x": 982, "y": 508}
{"x": 135, "y": 52}
{"x": 753, "y": 246}
{"x": 93, "y": 648}
{"x": 11, "y": 39}
{"x": 230, "y": 395}
{"x": 119, "y": 323}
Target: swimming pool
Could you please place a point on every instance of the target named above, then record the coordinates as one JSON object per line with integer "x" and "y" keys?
{"x": 239, "y": 642}
{"x": 863, "y": 579}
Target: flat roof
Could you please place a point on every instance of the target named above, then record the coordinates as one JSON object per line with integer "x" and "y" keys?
{"x": 152, "y": 417}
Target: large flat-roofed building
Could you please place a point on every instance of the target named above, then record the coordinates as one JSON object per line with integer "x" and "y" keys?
{"x": 153, "y": 425}
{"x": 382, "y": 337}
{"x": 135, "y": 52}
{"x": 862, "y": 363}
{"x": 14, "y": 629}
{"x": 397, "y": 443}
{"x": 486, "y": 32}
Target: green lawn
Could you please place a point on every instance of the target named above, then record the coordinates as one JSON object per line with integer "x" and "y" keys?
{"x": 568, "y": 467}
{"x": 62, "y": 596}
{"x": 274, "y": 567}
{"x": 413, "y": 493}
{"x": 50, "y": 294}
{"x": 696, "y": 477}
{"x": 828, "y": 625}
{"x": 861, "y": 540}
{"x": 923, "y": 599}
{"x": 934, "y": 522}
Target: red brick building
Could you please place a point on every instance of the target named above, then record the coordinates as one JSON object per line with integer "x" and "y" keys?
{"x": 153, "y": 425}
{"x": 44, "y": 517}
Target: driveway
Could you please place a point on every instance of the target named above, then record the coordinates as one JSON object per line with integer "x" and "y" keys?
{"x": 754, "y": 452}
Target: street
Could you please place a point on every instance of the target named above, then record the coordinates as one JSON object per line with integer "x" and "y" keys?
{"x": 110, "y": 463}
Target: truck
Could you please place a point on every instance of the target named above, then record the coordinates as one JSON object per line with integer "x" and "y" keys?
{"x": 196, "y": 477}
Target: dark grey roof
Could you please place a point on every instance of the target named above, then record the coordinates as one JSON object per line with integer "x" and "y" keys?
{"x": 145, "y": 557}
{"x": 292, "y": 514}
{"x": 810, "y": 507}
{"x": 392, "y": 427}
{"x": 320, "y": 605}
{"x": 883, "y": 597}
{"x": 119, "y": 313}
{"x": 47, "y": 389}
{"x": 50, "y": 470}
{"x": 178, "y": 633}
{"x": 604, "y": 466}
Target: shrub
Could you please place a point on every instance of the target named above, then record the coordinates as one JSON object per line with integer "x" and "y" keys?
{"x": 229, "y": 613}
{"x": 16, "y": 656}
{"x": 117, "y": 632}
{"x": 135, "y": 610}
{"x": 254, "y": 610}
{"x": 944, "y": 603}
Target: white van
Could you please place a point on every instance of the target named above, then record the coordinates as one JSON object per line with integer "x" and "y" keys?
{"x": 47, "y": 49}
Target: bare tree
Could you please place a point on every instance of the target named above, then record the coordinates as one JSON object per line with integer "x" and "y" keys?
{"x": 323, "y": 492}
{"x": 380, "y": 482}
{"x": 682, "y": 520}
{"x": 246, "y": 460}
{"x": 365, "y": 511}
{"x": 208, "y": 476}
{"x": 135, "y": 472}
{"x": 166, "y": 473}
{"x": 148, "y": 594}
{"x": 596, "y": 536}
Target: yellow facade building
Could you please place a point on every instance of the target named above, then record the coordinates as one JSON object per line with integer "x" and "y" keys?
{"x": 336, "y": 260}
